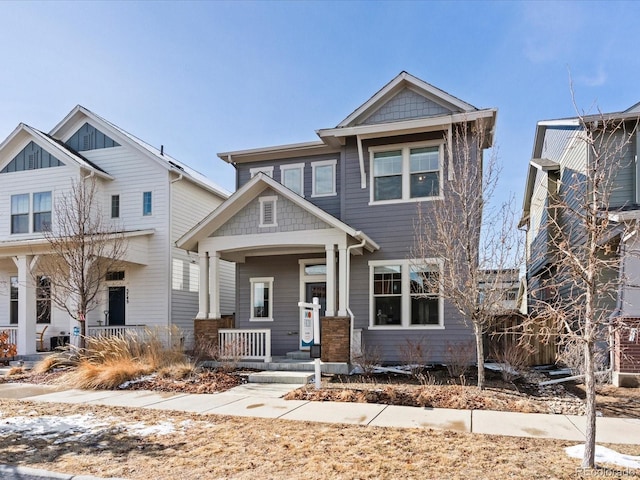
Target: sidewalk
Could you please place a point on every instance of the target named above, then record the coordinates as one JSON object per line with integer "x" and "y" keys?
{"x": 264, "y": 401}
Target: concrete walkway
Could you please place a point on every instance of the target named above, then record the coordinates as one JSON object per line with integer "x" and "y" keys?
{"x": 265, "y": 401}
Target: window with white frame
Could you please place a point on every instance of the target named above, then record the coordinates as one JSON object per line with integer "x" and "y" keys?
{"x": 323, "y": 178}
{"x": 408, "y": 172}
{"x": 261, "y": 299}
{"x": 42, "y": 211}
{"x": 21, "y": 207}
{"x": 43, "y": 300}
{"x": 20, "y": 213}
{"x": 268, "y": 211}
{"x": 147, "y": 203}
{"x": 268, "y": 171}
{"x": 13, "y": 300}
{"x": 405, "y": 294}
{"x": 292, "y": 177}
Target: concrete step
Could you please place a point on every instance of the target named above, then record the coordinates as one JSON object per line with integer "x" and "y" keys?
{"x": 296, "y": 378}
{"x": 298, "y": 355}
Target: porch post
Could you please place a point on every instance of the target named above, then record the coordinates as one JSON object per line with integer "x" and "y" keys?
{"x": 214, "y": 285}
{"x": 26, "y": 306}
{"x": 203, "y": 294}
{"x": 331, "y": 280}
{"x": 342, "y": 281}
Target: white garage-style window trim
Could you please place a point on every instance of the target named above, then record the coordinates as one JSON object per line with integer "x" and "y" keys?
{"x": 261, "y": 299}
{"x": 292, "y": 177}
{"x": 323, "y": 178}
{"x": 266, "y": 170}
{"x": 410, "y": 172}
{"x": 404, "y": 294}
{"x": 268, "y": 216}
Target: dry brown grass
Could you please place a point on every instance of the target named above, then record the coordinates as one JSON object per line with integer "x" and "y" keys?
{"x": 219, "y": 447}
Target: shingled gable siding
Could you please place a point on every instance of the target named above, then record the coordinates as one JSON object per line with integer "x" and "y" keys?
{"x": 329, "y": 204}
{"x": 285, "y": 271}
{"x": 289, "y": 217}
{"x": 392, "y": 227}
{"x": 405, "y": 105}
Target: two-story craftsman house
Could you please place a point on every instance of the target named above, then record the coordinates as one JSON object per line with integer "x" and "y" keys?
{"x": 334, "y": 219}
{"x": 144, "y": 193}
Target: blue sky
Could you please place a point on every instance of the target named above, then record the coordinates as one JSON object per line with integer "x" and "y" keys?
{"x": 205, "y": 77}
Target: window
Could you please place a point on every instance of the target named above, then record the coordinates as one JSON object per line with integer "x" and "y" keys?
{"x": 324, "y": 178}
{"x": 146, "y": 203}
{"x": 115, "y": 206}
{"x": 42, "y": 211}
{"x": 292, "y": 177}
{"x": 405, "y": 294}
{"x": 268, "y": 171}
{"x": 43, "y": 300}
{"x": 115, "y": 276}
{"x": 13, "y": 300}
{"x": 261, "y": 299}
{"x": 268, "y": 211}
{"x": 406, "y": 172}
{"x": 20, "y": 213}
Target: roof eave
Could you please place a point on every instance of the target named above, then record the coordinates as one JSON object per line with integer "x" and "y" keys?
{"x": 277, "y": 152}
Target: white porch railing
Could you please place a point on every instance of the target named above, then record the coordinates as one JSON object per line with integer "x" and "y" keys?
{"x": 13, "y": 334}
{"x": 115, "y": 330}
{"x": 245, "y": 344}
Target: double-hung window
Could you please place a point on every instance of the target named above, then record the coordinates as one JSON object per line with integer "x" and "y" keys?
{"x": 292, "y": 177}
{"x": 323, "y": 180}
{"x": 42, "y": 211}
{"x": 405, "y": 294}
{"x": 20, "y": 213}
{"x": 261, "y": 299}
{"x": 402, "y": 173}
{"x": 147, "y": 205}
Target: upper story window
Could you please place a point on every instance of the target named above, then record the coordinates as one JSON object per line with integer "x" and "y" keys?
{"x": 268, "y": 216}
{"x": 42, "y": 211}
{"x": 115, "y": 206}
{"x": 292, "y": 177}
{"x": 323, "y": 178}
{"x": 268, "y": 171}
{"x": 405, "y": 294}
{"x": 147, "y": 206}
{"x": 20, "y": 213}
{"x": 403, "y": 173}
{"x": 32, "y": 157}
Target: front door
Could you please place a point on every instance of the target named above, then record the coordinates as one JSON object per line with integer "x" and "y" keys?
{"x": 312, "y": 289}
{"x": 117, "y": 305}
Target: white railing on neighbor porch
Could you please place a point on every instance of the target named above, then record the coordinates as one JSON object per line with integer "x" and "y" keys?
{"x": 13, "y": 334}
{"x": 115, "y": 330}
{"x": 245, "y": 344}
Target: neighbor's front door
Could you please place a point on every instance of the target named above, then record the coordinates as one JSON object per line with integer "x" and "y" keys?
{"x": 313, "y": 289}
{"x": 117, "y": 300}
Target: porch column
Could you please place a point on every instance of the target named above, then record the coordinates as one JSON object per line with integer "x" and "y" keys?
{"x": 342, "y": 281}
{"x": 214, "y": 285}
{"x": 331, "y": 281}
{"x": 203, "y": 294}
{"x": 26, "y": 306}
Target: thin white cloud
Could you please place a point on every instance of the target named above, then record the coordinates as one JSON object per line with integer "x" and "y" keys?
{"x": 597, "y": 79}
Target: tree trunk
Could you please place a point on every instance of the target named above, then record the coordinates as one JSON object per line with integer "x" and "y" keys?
{"x": 588, "y": 460}
{"x": 479, "y": 355}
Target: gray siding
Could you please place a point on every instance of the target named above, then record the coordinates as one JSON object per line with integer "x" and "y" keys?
{"x": 405, "y": 105}
{"x": 90, "y": 138}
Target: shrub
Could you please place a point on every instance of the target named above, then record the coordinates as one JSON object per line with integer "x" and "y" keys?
{"x": 459, "y": 357}
{"x": 367, "y": 357}
{"x": 415, "y": 354}
{"x": 513, "y": 359}
{"x": 7, "y": 350}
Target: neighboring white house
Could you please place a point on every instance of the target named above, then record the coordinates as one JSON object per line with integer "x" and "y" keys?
{"x": 151, "y": 197}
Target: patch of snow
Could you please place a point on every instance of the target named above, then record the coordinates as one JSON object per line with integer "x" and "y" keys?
{"x": 128, "y": 383}
{"x": 143, "y": 430}
{"x": 501, "y": 367}
{"x": 605, "y": 455}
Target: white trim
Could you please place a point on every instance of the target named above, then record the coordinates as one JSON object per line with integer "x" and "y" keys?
{"x": 273, "y": 199}
{"x": 293, "y": 166}
{"x": 323, "y": 163}
{"x": 405, "y": 266}
{"x": 405, "y": 148}
{"x": 266, "y": 170}
{"x": 269, "y": 282}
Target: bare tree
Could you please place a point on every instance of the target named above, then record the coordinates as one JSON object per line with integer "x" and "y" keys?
{"x": 478, "y": 244}
{"x": 575, "y": 298}
{"x": 83, "y": 249}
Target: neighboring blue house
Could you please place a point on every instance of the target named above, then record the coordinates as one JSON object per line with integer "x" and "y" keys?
{"x": 334, "y": 219}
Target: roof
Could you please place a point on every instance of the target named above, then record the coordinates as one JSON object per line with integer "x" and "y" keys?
{"x": 248, "y": 192}
{"x": 170, "y": 163}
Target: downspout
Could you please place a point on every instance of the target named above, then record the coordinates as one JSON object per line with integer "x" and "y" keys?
{"x": 619, "y": 300}
{"x": 347, "y": 286}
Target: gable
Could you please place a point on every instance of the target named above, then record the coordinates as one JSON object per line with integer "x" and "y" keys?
{"x": 289, "y": 217}
{"x": 32, "y": 157}
{"x": 88, "y": 137}
{"x": 405, "y": 105}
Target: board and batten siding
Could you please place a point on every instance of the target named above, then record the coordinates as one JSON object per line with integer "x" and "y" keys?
{"x": 147, "y": 286}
